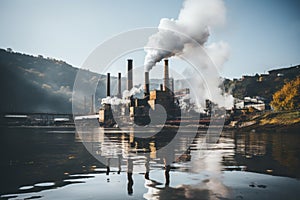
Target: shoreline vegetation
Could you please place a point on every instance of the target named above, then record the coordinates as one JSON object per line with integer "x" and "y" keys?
{"x": 271, "y": 121}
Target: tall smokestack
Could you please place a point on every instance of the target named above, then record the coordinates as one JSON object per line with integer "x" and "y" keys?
{"x": 108, "y": 85}
{"x": 146, "y": 86}
{"x": 166, "y": 75}
{"x": 119, "y": 85}
{"x": 129, "y": 75}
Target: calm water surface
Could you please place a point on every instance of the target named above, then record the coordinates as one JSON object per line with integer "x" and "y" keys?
{"x": 53, "y": 163}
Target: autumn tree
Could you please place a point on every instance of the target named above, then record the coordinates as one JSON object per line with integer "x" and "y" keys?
{"x": 288, "y": 97}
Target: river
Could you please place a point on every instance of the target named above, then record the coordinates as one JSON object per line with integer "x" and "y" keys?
{"x": 61, "y": 163}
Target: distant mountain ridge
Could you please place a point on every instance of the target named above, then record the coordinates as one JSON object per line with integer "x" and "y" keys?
{"x": 38, "y": 84}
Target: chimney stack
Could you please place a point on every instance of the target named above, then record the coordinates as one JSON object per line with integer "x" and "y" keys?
{"x": 85, "y": 107}
{"x": 108, "y": 85}
{"x": 129, "y": 75}
{"x": 166, "y": 75}
{"x": 172, "y": 84}
{"x": 146, "y": 86}
{"x": 119, "y": 85}
{"x": 92, "y": 105}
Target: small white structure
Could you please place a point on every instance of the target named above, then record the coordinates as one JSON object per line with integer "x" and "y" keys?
{"x": 248, "y": 102}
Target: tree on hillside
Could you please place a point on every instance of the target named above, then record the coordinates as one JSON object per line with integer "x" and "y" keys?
{"x": 288, "y": 97}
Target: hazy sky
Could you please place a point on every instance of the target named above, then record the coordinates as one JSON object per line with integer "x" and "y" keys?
{"x": 262, "y": 34}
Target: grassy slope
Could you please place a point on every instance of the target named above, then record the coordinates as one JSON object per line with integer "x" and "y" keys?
{"x": 275, "y": 121}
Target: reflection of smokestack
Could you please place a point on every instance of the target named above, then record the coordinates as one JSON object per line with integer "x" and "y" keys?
{"x": 129, "y": 75}
{"x": 146, "y": 86}
{"x": 166, "y": 75}
{"x": 119, "y": 85}
{"x": 108, "y": 85}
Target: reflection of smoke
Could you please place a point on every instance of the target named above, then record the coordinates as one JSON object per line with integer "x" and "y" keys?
{"x": 126, "y": 95}
{"x": 178, "y": 37}
{"x": 208, "y": 158}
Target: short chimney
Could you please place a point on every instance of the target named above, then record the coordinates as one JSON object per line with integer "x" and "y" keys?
{"x": 146, "y": 86}
{"x": 108, "y": 85}
{"x": 92, "y": 105}
{"x": 129, "y": 75}
{"x": 166, "y": 75}
{"x": 119, "y": 85}
{"x": 172, "y": 84}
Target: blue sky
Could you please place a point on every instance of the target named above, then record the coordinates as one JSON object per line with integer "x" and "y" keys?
{"x": 262, "y": 35}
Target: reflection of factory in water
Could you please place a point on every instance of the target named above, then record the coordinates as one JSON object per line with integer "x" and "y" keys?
{"x": 138, "y": 110}
{"x": 125, "y": 151}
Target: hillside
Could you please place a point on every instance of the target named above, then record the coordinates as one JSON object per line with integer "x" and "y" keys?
{"x": 263, "y": 85}
{"x": 37, "y": 84}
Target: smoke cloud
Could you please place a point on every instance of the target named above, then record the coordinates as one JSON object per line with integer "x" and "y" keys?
{"x": 195, "y": 20}
{"x": 135, "y": 90}
{"x": 125, "y": 98}
{"x": 184, "y": 36}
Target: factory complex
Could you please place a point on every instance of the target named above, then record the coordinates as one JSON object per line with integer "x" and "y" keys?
{"x": 138, "y": 110}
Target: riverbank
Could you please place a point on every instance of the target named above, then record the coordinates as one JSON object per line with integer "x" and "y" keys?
{"x": 285, "y": 121}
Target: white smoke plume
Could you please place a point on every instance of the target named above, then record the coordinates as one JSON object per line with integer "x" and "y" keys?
{"x": 182, "y": 102}
{"x": 125, "y": 98}
{"x": 177, "y": 37}
{"x": 114, "y": 101}
{"x": 195, "y": 20}
{"x": 133, "y": 91}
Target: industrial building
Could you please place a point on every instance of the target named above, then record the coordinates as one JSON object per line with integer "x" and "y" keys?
{"x": 248, "y": 102}
{"x": 137, "y": 109}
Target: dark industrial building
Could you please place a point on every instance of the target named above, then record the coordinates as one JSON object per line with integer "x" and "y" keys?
{"x": 138, "y": 109}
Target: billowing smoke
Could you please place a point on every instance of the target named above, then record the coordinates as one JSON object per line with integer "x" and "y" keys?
{"x": 184, "y": 36}
{"x": 135, "y": 90}
{"x": 183, "y": 104}
{"x": 125, "y": 98}
{"x": 114, "y": 101}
